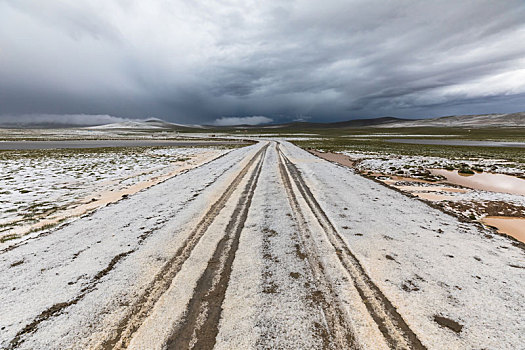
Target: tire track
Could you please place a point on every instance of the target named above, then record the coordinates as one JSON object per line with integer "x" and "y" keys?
{"x": 338, "y": 333}
{"x": 58, "y": 308}
{"x": 391, "y": 324}
{"x": 201, "y": 324}
{"x": 140, "y": 310}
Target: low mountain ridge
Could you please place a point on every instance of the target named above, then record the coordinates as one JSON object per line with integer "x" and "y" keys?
{"x": 469, "y": 121}
{"x": 354, "y": 123}
{"x": 153, "y": 124}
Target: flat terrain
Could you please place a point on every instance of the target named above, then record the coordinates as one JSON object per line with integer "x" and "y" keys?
{"x": 266, "y": 246}
{"x": 42, "y": 188}
{"x": 26, "y": 145}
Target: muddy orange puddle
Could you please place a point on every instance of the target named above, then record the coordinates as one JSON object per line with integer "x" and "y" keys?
{"x": 334, "y": 157}
{"x": 514, "y": 227}
{"x": 424, "y": 192}
{"x": 485, "y": 181}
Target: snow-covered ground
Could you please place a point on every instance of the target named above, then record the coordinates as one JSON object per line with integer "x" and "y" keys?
{"x": 265, "y": 247}
{"x": 241, "y": 135}
{"x": 40, "y": 184}
{"x": 495, "y": 190}
{"x": 129, "y": 130}
{"x": 395, "y": 164}
{"x": 425, "y": 260}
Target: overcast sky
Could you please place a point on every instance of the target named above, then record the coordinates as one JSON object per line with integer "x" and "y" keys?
{"x": 218, "y": 62}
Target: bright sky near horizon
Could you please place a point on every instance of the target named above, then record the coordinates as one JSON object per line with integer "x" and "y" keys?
{"x": 254, "y": 61}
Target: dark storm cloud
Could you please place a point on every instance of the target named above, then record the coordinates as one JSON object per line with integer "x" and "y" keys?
{"x": 195, "y": 62}
{"x": 59, "y": 119}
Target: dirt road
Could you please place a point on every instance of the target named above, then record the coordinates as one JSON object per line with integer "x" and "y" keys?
{"x": 265, "y": 247}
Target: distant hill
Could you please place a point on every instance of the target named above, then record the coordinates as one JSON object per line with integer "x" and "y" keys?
{"x": 467, "y": 121}
{"x": 355, "y": 123}
{"x": 152, "y": 124}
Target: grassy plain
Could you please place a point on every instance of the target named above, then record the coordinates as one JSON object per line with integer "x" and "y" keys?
{"x": 375, "y": 140}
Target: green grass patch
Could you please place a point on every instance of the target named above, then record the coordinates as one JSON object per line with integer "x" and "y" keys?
{"x": 8, "y": 237}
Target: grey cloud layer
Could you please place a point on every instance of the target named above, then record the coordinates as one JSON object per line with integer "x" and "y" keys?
{"x": 59, "y": 119}
{"x": 190, "y": 61}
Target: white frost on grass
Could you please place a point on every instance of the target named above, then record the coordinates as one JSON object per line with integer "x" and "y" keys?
{"x": 405, "y": 173}
{"x": 491, "y": 196}
{"x": 40, "y": 184}
{"x": 85, "y": 134}
{"x": 395, "y": 164}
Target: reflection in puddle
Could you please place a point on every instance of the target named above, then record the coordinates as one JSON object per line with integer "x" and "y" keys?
{"x": 485, "y": 181}
{"x": 514, "y": 227}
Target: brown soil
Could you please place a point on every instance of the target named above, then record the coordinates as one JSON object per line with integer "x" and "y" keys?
{"x": 449, "y": 323}
{"x": 335, "y": 157}
{"x": 492, "y": 208}
{"x": 337, "y": 333}
{"x": 295, "y": 275}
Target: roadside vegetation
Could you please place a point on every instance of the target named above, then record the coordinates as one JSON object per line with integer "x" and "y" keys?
{"x": 376, "y": 140}
{"x": 40, "y": 184}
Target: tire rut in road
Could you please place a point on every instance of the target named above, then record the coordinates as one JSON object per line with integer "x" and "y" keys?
{"x": 140, "y": 310}
{"x": 391, "y": 324}
{"x": 201, "y": 323}
{"x": 338, "y": 333}
{"x": 58, "y": 308}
